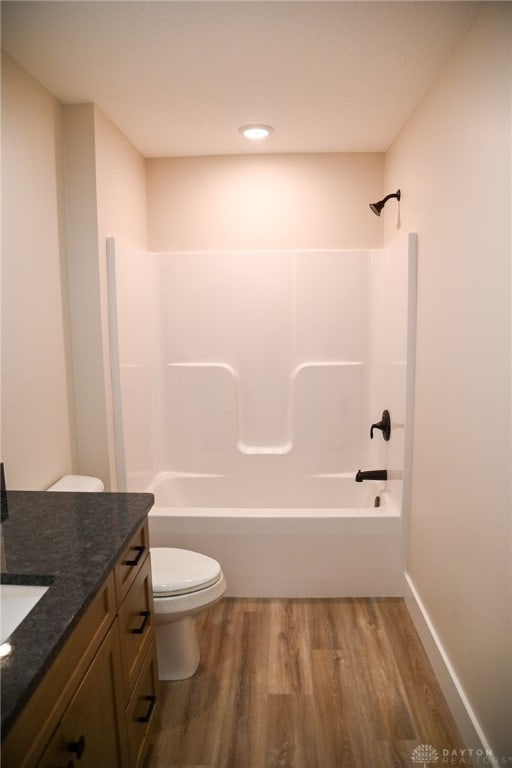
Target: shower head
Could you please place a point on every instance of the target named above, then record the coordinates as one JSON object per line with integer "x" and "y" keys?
{"x": 377, "y": 207}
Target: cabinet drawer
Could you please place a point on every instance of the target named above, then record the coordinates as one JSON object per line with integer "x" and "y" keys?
{"x": 131, "y": 561}
{"x": 136, "y": 625}
{"x": 141, "y": 712}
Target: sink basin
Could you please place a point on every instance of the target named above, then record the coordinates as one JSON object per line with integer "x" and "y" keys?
{"x": 16, "y": 602}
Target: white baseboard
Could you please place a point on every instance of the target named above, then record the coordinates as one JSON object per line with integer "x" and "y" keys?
{"x": 467, "y": 723}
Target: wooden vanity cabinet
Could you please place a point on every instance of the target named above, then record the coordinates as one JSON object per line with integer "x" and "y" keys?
{"x": 98, "y": 703}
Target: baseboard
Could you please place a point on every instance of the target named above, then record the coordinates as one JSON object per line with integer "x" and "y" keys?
{"x": 467, "y": 723}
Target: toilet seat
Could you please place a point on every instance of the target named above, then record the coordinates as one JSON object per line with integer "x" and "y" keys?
{"x": 181, "y": 572}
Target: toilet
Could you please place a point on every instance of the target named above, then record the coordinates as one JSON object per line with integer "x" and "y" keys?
{"x": 185, "y": 584}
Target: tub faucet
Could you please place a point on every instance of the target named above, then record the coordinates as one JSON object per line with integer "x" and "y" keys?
{"x": 371, "y": 474}
{"x": 384, "y": 425}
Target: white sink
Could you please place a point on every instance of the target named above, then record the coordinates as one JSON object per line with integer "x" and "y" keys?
{"x": 16, "y": 602}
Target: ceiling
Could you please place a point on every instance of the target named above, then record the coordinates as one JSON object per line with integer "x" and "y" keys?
{"x": 180, "y": 78}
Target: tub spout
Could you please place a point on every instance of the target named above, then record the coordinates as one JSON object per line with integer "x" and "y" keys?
{"x": 371, "y": 474}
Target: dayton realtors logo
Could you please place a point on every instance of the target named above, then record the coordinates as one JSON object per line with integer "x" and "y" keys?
{"x": 424, "y": 755}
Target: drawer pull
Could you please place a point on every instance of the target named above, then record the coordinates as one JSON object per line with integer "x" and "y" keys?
{"x": 147, "y": 716}
{"x": 140, "y": 551}
{"x": 145, "y": 620}
{"x": 78, "y": 747}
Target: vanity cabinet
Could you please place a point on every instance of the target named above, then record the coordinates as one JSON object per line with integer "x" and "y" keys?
{"x": 97, "y": 705}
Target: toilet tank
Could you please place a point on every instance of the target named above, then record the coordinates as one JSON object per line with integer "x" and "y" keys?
{"x": 81, "y": 483}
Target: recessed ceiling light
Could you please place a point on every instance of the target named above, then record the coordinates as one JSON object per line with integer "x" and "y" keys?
{"x": 255, "y": 132}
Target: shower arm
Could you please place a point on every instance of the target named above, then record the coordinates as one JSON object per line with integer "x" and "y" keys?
{"x": 390, "y": 197}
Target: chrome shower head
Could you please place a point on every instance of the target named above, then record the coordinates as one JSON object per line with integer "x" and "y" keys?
{"x": 377, "y": 207}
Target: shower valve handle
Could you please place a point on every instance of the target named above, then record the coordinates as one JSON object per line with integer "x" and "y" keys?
{"x": 384, "y": 425}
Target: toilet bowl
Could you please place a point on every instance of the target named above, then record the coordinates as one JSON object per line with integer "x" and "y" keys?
{"x": 185, "y": 583}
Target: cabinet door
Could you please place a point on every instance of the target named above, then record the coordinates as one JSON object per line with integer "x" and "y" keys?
{"x": 142, "y": 709}
{"x": 93, "y": 725}
{"x": 55, "y": 754}
{"x": 24, "y": 744}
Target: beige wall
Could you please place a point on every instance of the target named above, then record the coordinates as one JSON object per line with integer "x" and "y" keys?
{"x": 105, "y": 195}
{"x": 121, "y": 206}
{"x": 121, "y": 185}
{"x": 69, "y": 179}
{"x": 264, "y": 201}
{"x": 84, "y": 290}
{"x": 37, "y": 442}
{"x": 452, "y": 162}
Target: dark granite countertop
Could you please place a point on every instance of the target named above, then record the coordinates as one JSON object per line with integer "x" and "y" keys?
{"x": 70, "y": 541}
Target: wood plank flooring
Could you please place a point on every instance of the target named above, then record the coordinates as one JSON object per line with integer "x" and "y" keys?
{"x": 334, "y": 683}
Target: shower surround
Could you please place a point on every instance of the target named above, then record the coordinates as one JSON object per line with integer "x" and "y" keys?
{"x": 244, "y": 390}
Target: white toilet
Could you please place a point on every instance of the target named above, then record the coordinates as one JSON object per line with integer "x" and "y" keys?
{"x": 185, "y": 584}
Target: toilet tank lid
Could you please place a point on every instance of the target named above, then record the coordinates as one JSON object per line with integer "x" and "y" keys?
{"x": 76, "y": 483}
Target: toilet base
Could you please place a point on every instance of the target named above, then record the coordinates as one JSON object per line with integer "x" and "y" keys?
{"x": 177, "y": 649}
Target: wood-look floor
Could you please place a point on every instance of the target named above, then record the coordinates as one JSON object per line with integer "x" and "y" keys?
{"x": 335, "y": 683}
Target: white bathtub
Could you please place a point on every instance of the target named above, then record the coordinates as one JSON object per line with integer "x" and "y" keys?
{"x": 318, "y": 536}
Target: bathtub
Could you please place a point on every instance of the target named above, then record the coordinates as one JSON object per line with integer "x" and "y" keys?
{"x": 314, "y": 536}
